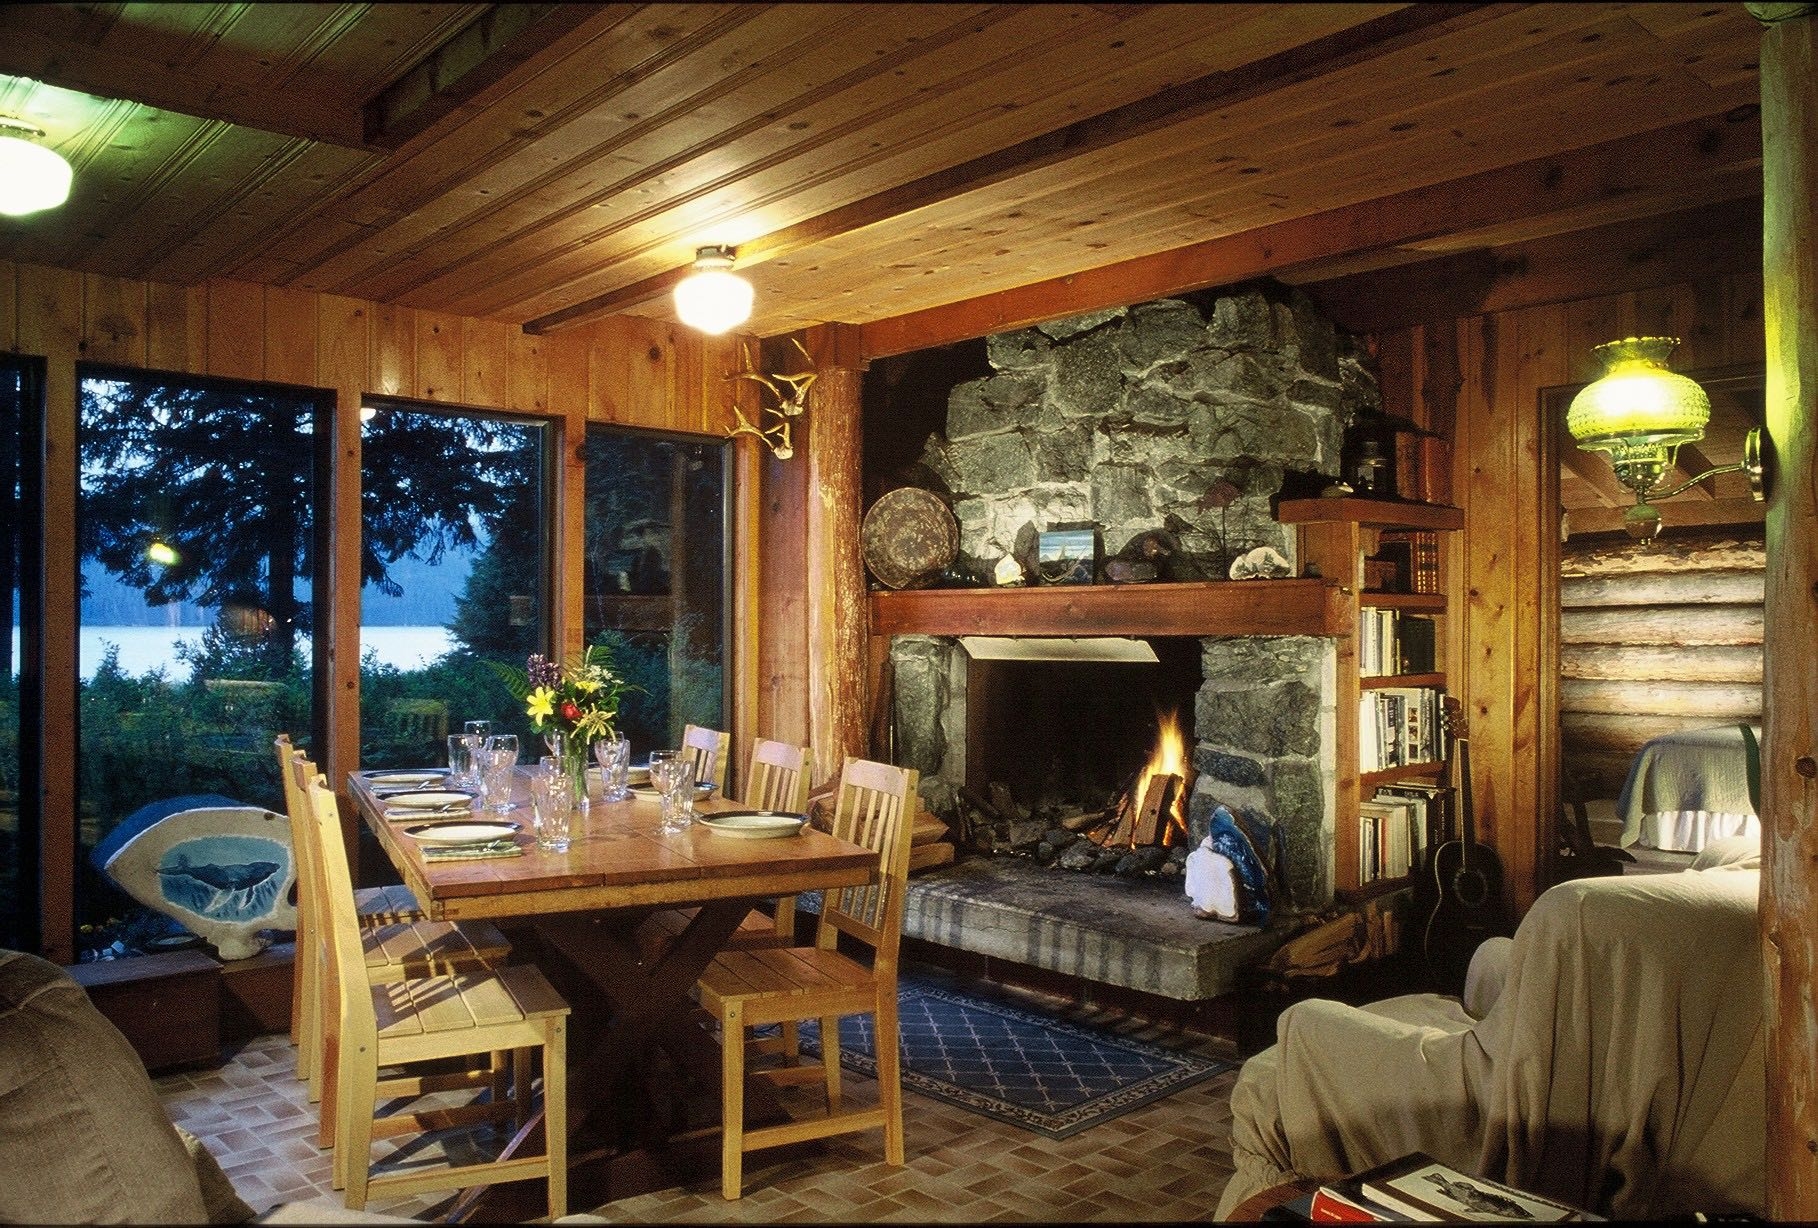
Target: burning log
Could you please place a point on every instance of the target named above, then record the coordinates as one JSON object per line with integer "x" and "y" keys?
{"x": 1156, "y": 812}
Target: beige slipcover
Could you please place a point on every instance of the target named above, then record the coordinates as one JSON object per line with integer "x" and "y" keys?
{"x": 1620, "y": 1067}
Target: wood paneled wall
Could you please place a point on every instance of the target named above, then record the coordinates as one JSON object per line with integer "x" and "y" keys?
{"x": 631, "y": 372}
{"x": 1483, "y": 374}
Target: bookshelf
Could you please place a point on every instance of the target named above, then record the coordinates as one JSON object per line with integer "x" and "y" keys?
{"x": 1384, "y": 671}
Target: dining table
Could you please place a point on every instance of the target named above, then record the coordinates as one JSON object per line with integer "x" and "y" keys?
{"x": 633, "y": 1015}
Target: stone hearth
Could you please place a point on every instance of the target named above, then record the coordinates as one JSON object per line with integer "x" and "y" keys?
{"x": 1137, "y": 936}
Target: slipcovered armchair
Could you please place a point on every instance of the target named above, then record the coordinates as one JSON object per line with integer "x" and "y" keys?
{"x": 1611, "y": 1056}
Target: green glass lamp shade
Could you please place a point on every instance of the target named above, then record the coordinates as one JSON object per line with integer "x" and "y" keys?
{"x": 1637, "y": 400}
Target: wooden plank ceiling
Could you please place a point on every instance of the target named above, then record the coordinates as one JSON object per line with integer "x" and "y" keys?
{"x": 540, "y": 163}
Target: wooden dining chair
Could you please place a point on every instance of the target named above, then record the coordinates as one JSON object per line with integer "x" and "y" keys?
{"x": 707, "y": 747}
{"x": 395, "y": 943}
{"x": 749, "y": 989}
{"x": 375, "y": 905}
{"x": 467, "y": 1013}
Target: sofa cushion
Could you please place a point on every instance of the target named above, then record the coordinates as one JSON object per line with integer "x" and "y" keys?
{"x": 83, "y": 1138}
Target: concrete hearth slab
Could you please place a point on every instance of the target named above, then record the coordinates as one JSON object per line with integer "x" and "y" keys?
{"x": 1140, "y": 935}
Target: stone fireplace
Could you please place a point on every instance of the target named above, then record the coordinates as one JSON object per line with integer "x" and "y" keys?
{"x": 1167, "y": 423}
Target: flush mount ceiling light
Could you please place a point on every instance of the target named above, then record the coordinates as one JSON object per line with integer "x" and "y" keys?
{"x": 713, "y": 298}
{"x": 32, "y": 177}
{"x": 1638, "y": 413}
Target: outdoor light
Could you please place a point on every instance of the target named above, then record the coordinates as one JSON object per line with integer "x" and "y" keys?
{"x": 32, "y": 177}
{"x": 1638, "y": 413}
{"x": 713, "y": 298}
{"x": 162, "y": 553}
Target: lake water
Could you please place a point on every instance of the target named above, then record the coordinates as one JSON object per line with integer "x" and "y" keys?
{"x": 144, "y": 649}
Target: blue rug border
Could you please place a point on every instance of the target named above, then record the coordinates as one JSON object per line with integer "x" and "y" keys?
{"x": 1188, "y": 1069}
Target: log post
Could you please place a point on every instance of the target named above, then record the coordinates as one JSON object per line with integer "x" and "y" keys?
{"x": 1789, "y": 759}
{"x": 837, "y": 605}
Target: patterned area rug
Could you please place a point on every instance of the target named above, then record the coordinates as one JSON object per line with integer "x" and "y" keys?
{"x": 1014, "y": 1065}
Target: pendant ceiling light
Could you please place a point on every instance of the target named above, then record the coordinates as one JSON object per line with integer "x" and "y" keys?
{"x": 32, "y": 177}
{"x": 713, "y": 298}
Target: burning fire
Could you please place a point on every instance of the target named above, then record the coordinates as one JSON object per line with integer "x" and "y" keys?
{"x": 1169, "y": 759}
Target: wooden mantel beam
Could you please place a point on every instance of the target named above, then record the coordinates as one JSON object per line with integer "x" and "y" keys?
{"x": 1639, "y": 172}
{"x": 1414, "y": 24}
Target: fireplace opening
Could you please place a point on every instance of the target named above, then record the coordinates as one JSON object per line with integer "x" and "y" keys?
{"x": 1074, "y": 736}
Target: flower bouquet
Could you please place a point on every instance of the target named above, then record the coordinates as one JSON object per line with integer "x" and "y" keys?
{"x": 578, "y": 701}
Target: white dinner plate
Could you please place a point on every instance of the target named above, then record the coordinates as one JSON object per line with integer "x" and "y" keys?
{"x": 430, "y": 799}
{"x": 754, "y": 824}
{"x": 639, "y": 775}
{"x": 701, "y": 792}
{"x": 425, "y": 777}
{"x": 461, "y": 833}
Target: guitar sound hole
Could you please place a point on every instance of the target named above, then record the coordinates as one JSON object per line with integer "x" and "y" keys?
{"x": 1470, "y": 888}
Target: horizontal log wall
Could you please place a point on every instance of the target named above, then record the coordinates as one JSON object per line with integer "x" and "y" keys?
{"x": 1478, "y": 378}
{"x": 1654, "y": 640}
{"x": 631, "y": 372}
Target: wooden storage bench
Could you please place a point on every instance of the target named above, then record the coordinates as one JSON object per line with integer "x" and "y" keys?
{"x": 168, "y": 1005}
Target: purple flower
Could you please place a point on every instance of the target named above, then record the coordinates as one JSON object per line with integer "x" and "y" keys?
{"x": 541, "y": 671}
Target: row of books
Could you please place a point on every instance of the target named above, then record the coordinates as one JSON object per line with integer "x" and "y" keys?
{"x": 1406, "y": 561}
{"x": 1391, "y": 642}
{"x": 1419, "y": 1189}
{"x": 1397, "y": 826}
{"x": 1397, "y": 726}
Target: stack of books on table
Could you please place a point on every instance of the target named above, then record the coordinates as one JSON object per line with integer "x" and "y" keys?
{"x": 1419, "y": 1189}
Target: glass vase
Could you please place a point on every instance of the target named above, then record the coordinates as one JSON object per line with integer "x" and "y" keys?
{"x": 575, "y": 754}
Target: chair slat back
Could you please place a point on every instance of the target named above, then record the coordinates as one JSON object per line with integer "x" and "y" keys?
{"x": 777, "y": 778}
{"x": 875, "y": 809}
{"x": 340, "y": 924}
{"x": 707, "y": 747}
{"x": 303, "y": 844}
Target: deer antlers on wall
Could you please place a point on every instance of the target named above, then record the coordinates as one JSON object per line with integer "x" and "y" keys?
{"x": 791, "y": 394}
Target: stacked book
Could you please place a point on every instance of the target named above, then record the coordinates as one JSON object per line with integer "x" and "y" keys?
{"x": 1391, "y": 642}
{"x": 1419, "y": 1189}
{"x": 1396, "y": 827}
{"x": 1397, "y": 726}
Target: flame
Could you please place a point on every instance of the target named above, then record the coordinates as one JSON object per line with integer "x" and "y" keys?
{"x": 1168, "y": 759}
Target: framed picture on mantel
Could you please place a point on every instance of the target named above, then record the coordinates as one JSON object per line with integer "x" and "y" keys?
{"x": 1067, "y": 556}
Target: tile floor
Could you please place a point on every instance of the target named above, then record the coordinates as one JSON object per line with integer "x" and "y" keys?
{"x": 1166, "y": 1161}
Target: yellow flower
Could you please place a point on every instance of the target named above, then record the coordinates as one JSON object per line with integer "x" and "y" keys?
{"x": 542, "y": 703}
{"x": 586, "y": 686}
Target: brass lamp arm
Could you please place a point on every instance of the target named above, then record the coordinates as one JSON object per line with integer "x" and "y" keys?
{"x": 1749, "y": 464}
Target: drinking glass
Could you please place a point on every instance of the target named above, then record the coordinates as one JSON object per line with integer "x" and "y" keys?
{"x": 678, "y": 799}
{"x": 614, "y": 757}
{"x": 461, "y": 748}
{"x": 497, "y": 757}
{"x": 553, "y": 740}
{"x": 551, "y": 807}
{"x": 665, "y": 770}
{"x": 479, "y": 728}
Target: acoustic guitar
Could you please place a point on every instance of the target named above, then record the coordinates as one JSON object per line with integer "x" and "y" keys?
{"x": 1467, "y": 876}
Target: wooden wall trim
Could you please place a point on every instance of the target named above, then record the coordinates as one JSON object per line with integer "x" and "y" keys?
{"x": 1789, "y": 760}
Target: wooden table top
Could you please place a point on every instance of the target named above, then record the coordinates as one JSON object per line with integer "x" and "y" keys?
{"x": 617, "y": 859}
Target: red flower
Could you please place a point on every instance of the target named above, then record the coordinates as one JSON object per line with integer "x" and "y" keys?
{"x": 570, "y": 710}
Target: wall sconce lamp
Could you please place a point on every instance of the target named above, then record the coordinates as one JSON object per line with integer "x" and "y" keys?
{"x": 713, "y": 298}
{"x": 32, "y": 176}
{"x": 1638, "y": 413}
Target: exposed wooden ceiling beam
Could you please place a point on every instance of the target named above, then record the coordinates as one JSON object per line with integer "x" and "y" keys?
{"x": 25, "y": 51}
{"x": 1674, "y": 514}
{"x": 1645, "y": 169}
{"x": 1406, "y": 27}
{"x": 1593, "y": 470}
{"x": 478, "y": 54}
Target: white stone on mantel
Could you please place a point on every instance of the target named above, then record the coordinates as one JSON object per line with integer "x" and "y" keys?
{"x": 1140, "y": 936}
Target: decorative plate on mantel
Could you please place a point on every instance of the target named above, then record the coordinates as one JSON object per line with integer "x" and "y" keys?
{"x": 909, "y": 537}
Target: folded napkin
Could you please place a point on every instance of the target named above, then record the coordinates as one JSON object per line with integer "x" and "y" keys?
{"x": 471, "y": 852}
{"x": 404, "y": 813}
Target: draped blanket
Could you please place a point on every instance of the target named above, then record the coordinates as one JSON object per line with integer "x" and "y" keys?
{"x": 1619, "y": 1068}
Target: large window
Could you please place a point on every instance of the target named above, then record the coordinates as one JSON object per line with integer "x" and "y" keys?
{"x": 21, "y": 436}
{"x": 195, "y": 518}
{"x": 656, "y": 576}
{"x": 456, "y": 575}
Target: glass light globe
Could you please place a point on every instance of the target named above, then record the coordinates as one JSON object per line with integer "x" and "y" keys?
{"x": 31, "y": 177}
{"x": 713, "y": 298}
{"x": 1638, "y": 397}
